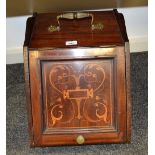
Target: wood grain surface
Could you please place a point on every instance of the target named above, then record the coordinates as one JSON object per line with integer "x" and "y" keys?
{"x": 81, "y": 90}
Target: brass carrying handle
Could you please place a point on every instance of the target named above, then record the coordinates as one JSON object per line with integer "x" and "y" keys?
{"x": 75, "y": 15}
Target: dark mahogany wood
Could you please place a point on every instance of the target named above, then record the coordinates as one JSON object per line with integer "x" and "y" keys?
{"x": 112, "y": 33}
{"x": 77, "y": 94}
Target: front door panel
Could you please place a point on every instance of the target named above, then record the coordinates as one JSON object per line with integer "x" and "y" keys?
{"x": 78, "y": 92}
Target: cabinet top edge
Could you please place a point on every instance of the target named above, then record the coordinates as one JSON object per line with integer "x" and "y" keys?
{"x": 113, "y": 33}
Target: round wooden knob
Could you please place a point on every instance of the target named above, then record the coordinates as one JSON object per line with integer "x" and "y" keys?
{"x": 80, "y": 139}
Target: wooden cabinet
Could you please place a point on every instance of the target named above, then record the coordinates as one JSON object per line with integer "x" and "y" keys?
{"x": 77, "y": 75}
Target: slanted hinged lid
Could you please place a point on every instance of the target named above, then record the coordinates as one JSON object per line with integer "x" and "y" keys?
{"x": 76, "y": 29}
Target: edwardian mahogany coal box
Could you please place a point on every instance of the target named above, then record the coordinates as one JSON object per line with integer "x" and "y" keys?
{"x": 77, "y": 78}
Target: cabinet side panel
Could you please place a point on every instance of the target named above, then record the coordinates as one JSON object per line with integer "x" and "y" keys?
{"x": 121, "y": 22}
{"x": 29, "y": 28}
{"x": 128, "y": 91}
{"x": 27, "y": 91}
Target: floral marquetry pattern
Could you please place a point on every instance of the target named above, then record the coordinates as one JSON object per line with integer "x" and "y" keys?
{"x": 78, "y": 93}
